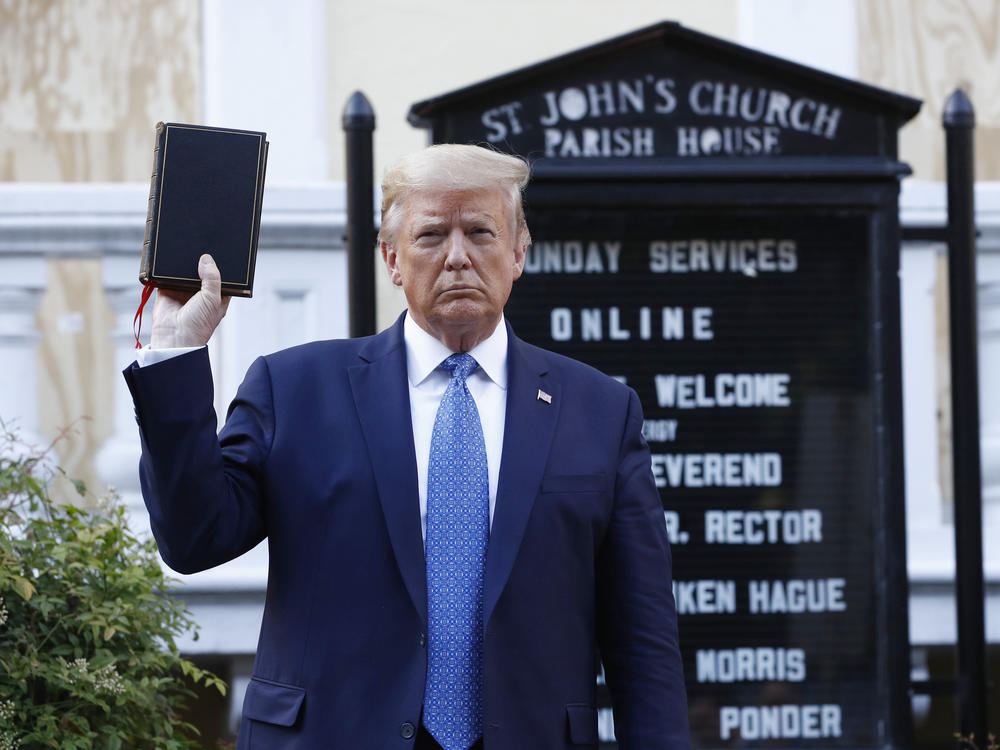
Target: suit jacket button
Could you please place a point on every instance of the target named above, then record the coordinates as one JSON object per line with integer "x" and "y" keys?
{"x": 423, "y": 640}
{"x": 406, "y": 731}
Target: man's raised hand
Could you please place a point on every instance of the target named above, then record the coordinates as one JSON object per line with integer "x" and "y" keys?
{"x": 186, "y": 319}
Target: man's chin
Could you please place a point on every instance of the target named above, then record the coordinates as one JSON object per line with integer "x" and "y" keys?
{"x": 466, "y": 314}
{"x": 463, "y": 303}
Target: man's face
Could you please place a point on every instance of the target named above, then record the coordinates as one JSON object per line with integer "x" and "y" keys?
{"x": 456, "y": 256}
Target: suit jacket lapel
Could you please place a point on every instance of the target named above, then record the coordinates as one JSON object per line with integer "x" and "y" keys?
{"x": 382, "y": 398}
{"x": 528, "y": 429}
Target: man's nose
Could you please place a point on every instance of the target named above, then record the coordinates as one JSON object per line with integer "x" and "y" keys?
{"x": 457, "y": 256}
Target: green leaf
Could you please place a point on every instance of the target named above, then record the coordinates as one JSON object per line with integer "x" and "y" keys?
{"x": 24, "y": 587}
{"x": 218, "y": 683}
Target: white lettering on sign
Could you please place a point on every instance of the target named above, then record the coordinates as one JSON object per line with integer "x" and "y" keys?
{"x": 572, "y": 256}
{"x": 607, "y": 98}
{"x": 770, "y": 106}
{"x": 807, "y": 722}
{"x": 659, "y": 430}
{"x": 600, "y": 324}
{"x": 702, "y": 323}
{"x": 763, "y": 526}
{"x": 621, "y": 141}
{"x": 571, "y": 119}
{"x": 746, "y": 256}
{"x": 705, "y": 597}
{"x": 597, "y": 99}
{"x": 672, "y": 520}
{"x": 750, "y": 664}
{"x": 716, "y": 469}
{"x": 501, "y": 120}
{"x": 732, "y": 141}
{"x": 724, "y": 390}
{"x": 797, "y": 596}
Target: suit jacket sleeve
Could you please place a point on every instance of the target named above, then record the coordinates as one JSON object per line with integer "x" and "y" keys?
{"x": 205, "y": 493}
{"x": 637, "y": 618}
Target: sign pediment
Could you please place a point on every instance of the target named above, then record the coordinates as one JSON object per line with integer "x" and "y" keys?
{"x": 666, "y": 92}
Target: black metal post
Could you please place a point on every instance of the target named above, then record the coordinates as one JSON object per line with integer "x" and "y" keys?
{"x": 359, "y": 124}
{"x": 959, "y": 123}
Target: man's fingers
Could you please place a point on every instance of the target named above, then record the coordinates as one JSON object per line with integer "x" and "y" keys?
{"x": 172, "y": 294}
{"x": 186, "y": 319}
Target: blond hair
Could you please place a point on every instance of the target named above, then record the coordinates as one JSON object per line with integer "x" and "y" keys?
{"x": 449, "y": 167}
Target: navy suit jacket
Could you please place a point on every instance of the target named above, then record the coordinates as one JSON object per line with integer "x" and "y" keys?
{"x": 317, "y": 455}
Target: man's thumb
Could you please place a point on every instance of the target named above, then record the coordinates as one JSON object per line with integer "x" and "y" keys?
{"x": 208, "y": 272}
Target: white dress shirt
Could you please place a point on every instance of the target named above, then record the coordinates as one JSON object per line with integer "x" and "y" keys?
{"x": 147, "y": 356}
{"x": 427, "y": 383}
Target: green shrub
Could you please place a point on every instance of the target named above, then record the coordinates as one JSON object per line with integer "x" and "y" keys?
{"x": 87, "y": 651}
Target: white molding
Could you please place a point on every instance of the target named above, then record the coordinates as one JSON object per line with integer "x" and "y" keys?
{"x": 101, "y": 219}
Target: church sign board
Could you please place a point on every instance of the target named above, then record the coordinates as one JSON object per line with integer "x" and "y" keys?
{"x": 718, "y": 228}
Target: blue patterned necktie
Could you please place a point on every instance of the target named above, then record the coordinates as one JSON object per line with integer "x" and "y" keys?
{"x": 457, "y": 532}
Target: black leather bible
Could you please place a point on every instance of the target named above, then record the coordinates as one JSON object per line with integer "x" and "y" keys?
{"x": 204, "y": 197}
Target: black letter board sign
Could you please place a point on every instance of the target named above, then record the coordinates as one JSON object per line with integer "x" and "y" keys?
{"x": 719, "y": 229}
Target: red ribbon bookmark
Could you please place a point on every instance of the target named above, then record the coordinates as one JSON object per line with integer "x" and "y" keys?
{"x": 147, "y": 292}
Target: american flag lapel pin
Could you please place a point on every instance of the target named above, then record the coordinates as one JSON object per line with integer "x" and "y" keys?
{"x": 543, "y": 396}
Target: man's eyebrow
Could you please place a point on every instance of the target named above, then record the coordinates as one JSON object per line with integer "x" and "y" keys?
{"x": 480, "y": 216}
{"x": 428, "y": 220}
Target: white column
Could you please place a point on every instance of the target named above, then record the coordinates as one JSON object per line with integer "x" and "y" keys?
{"x": 19, "y": 338}
{"x": 818, "y": 33}
{"x": 930, "y": 536}
{"x": 989, "y": 365}
{"x": 989, "y": 418}
{"x": 265, "y": 69}
{"x": 988, "y": 298}
{"x": 117, "y": 461}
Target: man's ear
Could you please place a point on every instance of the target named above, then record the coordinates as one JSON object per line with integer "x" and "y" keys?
{"x": 389, "y": 257}
{"x": 520, "y": 253}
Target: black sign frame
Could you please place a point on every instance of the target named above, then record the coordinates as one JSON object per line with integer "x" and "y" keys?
{"x": 687, "y": 102}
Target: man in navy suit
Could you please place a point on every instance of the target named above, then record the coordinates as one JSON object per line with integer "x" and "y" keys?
{"x": 326, "y": 452}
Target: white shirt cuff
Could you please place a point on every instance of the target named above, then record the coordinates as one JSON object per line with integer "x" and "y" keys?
{"x": 147, "y": 356}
